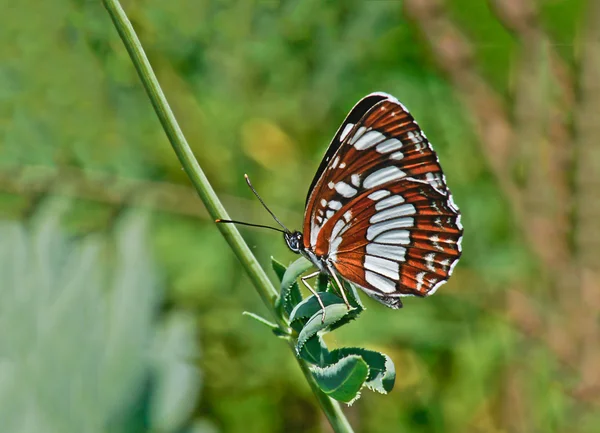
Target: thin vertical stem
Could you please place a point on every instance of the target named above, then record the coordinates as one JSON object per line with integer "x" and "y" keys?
{"x": 267, "y": 292}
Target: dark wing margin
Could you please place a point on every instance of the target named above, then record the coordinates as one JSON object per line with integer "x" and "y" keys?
{"x": 357, "y": 112}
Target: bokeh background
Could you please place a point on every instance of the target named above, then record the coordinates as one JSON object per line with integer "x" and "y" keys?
{"x": 120, "y": 303}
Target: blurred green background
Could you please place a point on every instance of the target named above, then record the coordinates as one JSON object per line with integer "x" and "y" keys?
{"x": 120, "y": 303}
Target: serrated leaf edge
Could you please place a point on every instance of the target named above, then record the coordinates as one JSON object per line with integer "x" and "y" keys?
{"x": 368, "y": 383}
{"x": 324, "y": 330}
{"x": 287, "y": 286}
{"x": 285, "y": 294}
{"x": 323, "y": 369}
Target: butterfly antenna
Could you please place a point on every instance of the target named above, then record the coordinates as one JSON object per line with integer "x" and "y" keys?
{"x": 220, "y": 221}
{"x": 264, "y": 205}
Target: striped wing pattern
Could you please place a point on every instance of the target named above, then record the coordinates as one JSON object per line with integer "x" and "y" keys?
{"x": 380, "y": 210}
{"x": 399, "y": 239}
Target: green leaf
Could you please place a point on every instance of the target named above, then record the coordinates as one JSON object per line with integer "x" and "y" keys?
{"x": 344, "y": 379}
{"x": 352, "y": 314}
{"x": 333, "y": 313}
{"x": 323, "y": 284}
{"x": 293, "y": 294}
{"x": 289, "y": 295}
{"x": 315, "y": 351}
{"x": 294, "y": 271}
{"x": 354, "y": 301}
{"x": 310, "y": 305}
{"x": 278, "y": 267}
{"x": 349, "y": 288}
{"x": 353, "y": 296}
{"x": 382, "y": 373}
{"x": 260, "y": 319}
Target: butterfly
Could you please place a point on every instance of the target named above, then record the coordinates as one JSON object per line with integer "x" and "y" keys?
{"x": 378, "y": 212}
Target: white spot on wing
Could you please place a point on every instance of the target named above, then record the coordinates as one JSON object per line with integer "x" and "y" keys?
{"x": 346, "y": 130}
{"x": 389, "y": 251}
{"x": 335, "y": 162}
{"x": 435, "y": 241}
{"x": 429, "y": 261}
{"x": 334, "y": 204}
{"x": 397, "y": 155}
{"x": 415, "y": 137}
{"x": 343, "y": 165}
{"x": 329, "y": 214}
{"x": 345, "y": 190}
{"x": 337, "y": 228}
{"x": 380, "y": 283}
{"x": 355, "y": 179}
{"x": 382, "y": 176}
{"x": 420, "y": 280}
{"x": 385, "y": 267}
{"x": 436, "y": 181}
{"x": 390, "y": 201}
{"x": 377, "y": 229}
{"x": 417, "y": 140}
{"x": 331, "y": 185}
{"x": 377, "y": 195}
{"x": 368, "y": 140}
{"x": 323, "y": 202}
{"x": 389, "y": 145}
{"x": 445, "y": 263}
{"x": 333, "y": 247}
{"x": 348, "y": 216}
{"x": 394, "y": 212}
{"x": 358, "y": 134}
{"x": 397, "y": 237}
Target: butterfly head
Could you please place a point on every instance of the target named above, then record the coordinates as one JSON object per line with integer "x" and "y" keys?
{"x": 294, "y": 241}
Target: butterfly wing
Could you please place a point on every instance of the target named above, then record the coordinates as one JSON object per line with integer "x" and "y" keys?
{"x": 380, "y": 149}
{"x": 354, "y": 117}
{"x": 378, "y": 142}
{"x": 401, "y": 238}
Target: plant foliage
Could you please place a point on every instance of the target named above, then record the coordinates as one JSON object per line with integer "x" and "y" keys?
{"x": 340, "y": 373}
{"x": 82, "y": 346}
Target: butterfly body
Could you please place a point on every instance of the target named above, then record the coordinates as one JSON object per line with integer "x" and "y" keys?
{"x": 378, "y": 212}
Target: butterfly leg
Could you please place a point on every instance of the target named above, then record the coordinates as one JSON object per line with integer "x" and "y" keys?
{"x": 307, "y": 277}
{"x": 340, "y": 286}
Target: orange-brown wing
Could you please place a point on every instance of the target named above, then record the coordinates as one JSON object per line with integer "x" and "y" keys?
{"x": 379, "y": 142}
{"x": 401, "y": 238}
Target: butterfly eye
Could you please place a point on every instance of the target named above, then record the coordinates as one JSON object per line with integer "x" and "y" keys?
{"x": 293, "y": 241}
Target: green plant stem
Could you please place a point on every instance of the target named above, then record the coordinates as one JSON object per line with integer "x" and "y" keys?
{"x": 185, "y": 155}
{"x": 330, "y": 407}
{"x": 258, "y": 276}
